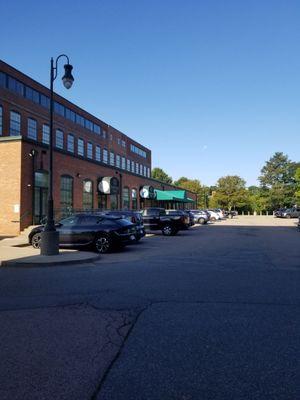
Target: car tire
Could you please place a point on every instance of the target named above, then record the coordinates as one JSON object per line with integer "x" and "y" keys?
{"x": 168, "y": 230}
{"x": 288, "y": 216}
{"x": 103, "y": 243}
{"x": 36, "y": 240}
{"x": 201, "y": 221}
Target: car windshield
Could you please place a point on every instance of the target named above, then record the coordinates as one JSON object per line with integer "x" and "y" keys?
{"x": 122, "y": 222}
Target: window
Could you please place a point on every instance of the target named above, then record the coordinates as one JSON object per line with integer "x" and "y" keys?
{"x": 123, "y": 163}
{"x": 110, "y": 137}
{"x": 69, "y": 114}
{"x": 80, "y": 147}
{"x": 98, "y": 153}
{"x": 59, "y": 139}
{"x": 105, "y": 156}
{"x": 79, "y": 120}
{"x": 88, "y": 124}
{"x": 104, "y": 134}
{"x": 66, "y": 192}
{"x": 45, "y": 101}
{"x": 32, "y": 95}
{"x": 2, "y": 79}
{"x": 112, "y": 158}
{"x": 15, "y": 124}
{"x": 145, "y": 171}
{"x": 118, "y": 161}
{"x": 87, "y": 194}
{"x": 1, "y": 120}
{"x": 45, "y": 134}
{"x": 141, "y": 169}
{"x": 70, "y": 143}
{"x": 148, "y": 172}
{"x": 119, "y": 141}
{"x": 128, "y": 165}
{"x": 15, "y": 86}
{"x": 125, "y": 197}
{"x": 123, "y": 143}
{"x": 90, "y": 150}
{"x": 97, "y": 129}
{"x": 134, "y": 199}
{"x": 138, "y": 151}
{"x": 59, "y": 109}
{"x": 136, "y": 168}
{"x": 32, "y": 129}
{"x": 132, "y": 166}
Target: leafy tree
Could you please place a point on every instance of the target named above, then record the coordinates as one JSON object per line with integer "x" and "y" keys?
{"x": 297, "y": 185}
{"x": 230, "y": 193}
{"x": 195, "y": 186}
{"x": 161, "y": 175}
{"x": 278, "y": 175}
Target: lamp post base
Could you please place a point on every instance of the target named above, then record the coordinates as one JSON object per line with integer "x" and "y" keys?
{"x": 49, "y": 243}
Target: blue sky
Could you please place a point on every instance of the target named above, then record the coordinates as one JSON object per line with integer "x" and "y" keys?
{"x": 212, "y": 87}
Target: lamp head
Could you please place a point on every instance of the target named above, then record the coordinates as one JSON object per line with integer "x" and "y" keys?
{"x": 68, "y": 77}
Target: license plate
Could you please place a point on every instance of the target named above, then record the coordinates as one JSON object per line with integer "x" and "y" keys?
{"x": 132, "y": 237}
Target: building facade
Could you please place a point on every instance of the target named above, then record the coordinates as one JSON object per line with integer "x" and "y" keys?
{"x": 95, "y": 165}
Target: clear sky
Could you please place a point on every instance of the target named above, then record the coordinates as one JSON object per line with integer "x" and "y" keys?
{"x": 212, "y": 87}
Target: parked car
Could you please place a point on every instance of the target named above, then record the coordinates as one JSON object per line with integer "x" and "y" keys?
{"x": 201, "y": 216}
{"x": 192, "y": 218}
{"x": 133, "y": 216}
{"x": 102, "y": 232}
{"x": 184, "y": 217}
{"x": 214, "y": 216}
{"x": 278, "y": 213}
{"x": 219, "y": 212}
{"x": 293, "y": 212}
{"x": 156, "y": 219}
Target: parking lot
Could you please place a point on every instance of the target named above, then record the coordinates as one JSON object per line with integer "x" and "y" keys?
{"x": 211, "y": 313}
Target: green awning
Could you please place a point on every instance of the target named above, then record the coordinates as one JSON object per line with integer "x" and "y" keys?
{"x": 189, "y": 200}
{"x": 172, "y": 195}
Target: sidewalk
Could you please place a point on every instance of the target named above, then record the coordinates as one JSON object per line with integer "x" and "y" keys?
{"x": 15, "y": 252}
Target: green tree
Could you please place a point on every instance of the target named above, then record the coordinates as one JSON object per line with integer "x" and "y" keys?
{"x": 161, "y": 175}
{"x": 230, "y": 193}
{"x": 194, "y": 185}
{"x": 297, "y": 186}
{"x": 278, "y": 175}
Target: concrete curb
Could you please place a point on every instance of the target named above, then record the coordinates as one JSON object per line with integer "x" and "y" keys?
{"x": 43, "y": 261}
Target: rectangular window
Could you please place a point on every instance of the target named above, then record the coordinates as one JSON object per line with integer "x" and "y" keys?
{"x": 59, "y": 109}
{"x": 119, "y": 141}
{"x": 118, "y": 161}
{"x": 132, "y": 166}
{"x": 112, "y": 158}
{"x": 98, "y": 153}
{"x": 97, "y": 129}
{"x": 89, "y": 125}
{"x": 70, "y": 143}
{"x": 104, "y": 134}
{"x": 79, "y": 120}
{"x": 123, "y": 143}
{"x": 89, "y": 150}
{"x": 141, "y": 169}
{"x": 69, "y": 114}
{"x": 136, "y": 168}
{"x": 32, "y": 129}
{"x": 138, "y": 151}
{"x": 145, "y": 171}
{"x": 15, "y": 86}
{"x": 105, "y": 156}
{"x": 1, "y": 120}
{"x": 45, "y": 134}
{"x": 123, "y": 163}
{"x": 128, "y": 165}
{"x": 59, "y": 139}
{"x": 32, "y": 95}
{"x": 148, "y": 172}
{"x": 45, "y": 101}
{"x": 80, "y": 147}
{"x": 15, "y": 124}
{"x": 2, "y": 79}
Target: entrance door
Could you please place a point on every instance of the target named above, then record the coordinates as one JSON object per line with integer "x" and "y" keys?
{"x": 40, "y": 196}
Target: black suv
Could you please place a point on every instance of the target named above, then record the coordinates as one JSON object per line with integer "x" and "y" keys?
{"x": 100, "y": 231}
{"x": 133, "y": 216}
{"x": 293, "y": 212}
{"x": 156, "y": 219}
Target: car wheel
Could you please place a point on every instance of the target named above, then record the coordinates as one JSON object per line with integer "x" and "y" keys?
{"x": 36, "y": 240}
{"x": 201, "y": 221}
{"x": 167, "y": 230}
{"x": 288, "y": 216}
{"x": 103, "y": 243}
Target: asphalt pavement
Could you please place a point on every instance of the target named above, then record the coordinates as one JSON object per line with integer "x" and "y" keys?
{"x": 212, "y": 313}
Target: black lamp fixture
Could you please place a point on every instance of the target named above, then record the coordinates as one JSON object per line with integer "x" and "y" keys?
{"x": 50, "y": 236}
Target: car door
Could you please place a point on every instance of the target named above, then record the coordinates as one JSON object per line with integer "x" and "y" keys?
{"x": 66, "y": 230}
{"x": 84, "y": 231}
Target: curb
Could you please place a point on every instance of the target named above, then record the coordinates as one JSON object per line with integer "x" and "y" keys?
{"x": 30, "y": 264}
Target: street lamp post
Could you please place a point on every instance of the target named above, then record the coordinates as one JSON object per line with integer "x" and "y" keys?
{"x": 50, "y": 236}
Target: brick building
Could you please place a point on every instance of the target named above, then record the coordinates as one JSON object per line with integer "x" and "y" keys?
{"x": 88, "y": 153}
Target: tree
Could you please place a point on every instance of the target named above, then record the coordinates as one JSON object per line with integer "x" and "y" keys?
{"x": 278, "y": 175}
{"x": 161, "y": 175}
{"x": 194, "y": 185}
{"x": 230, "y": 193}
{"x": 297, "y": 185}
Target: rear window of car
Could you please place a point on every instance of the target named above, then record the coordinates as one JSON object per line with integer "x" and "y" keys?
{"x": 122, "y": 222}
{"x": 89, "y": 220}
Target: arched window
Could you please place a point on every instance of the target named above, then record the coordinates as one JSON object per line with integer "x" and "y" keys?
{"x": 125, "y": 197}
{"x": 134, "y": 199}
{"x": 66, "y": 193}
{"x": 87, "y": 194}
